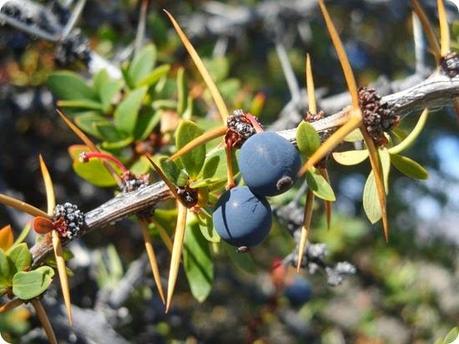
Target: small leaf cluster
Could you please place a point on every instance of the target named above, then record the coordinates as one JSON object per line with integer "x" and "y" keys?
{"x": 17, "y": 278}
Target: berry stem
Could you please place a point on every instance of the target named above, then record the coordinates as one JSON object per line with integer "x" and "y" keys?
{"x": 229, "y": 172}
{"x": 86, "y": 156}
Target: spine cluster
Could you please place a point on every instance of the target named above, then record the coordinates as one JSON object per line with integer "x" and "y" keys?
{"x": 68, "y": 220}
{"x": 378, "y": 117}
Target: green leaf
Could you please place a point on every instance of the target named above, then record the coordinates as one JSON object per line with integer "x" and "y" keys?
{"x": 181, "y": 91}
{"x": 118, "y": 144}
{"x": 218, "y": 68}
{"x": 413, "y": 135}
{"x": 193, "y": 160}
{"x": 210, "y": 166}
{"x": 156, "y": 75}
{"x": 6, "y": 271}
{"x": 146, "y": 122}
{"x": 207, "y": 229}
{"x": 88, "y": 122}
{"x": 20, "y": 257}
{"x": 353, "y": 136}
{"x": 169, "y": 168}
{"x": 320, "y": 186}
{"x": 350, "y": 158}
{"x": 30, "y": 284}
{"x": 197, "y": 262}
{"x": 92, "y": 171}
{"x": 83, "y": 104}
{"x": 25, "y": 231}
{"x": 126, "y": 113}
{"x": 370, "y": 198}
{"x": 141, "y": 65}
{"x": 108, "y": 131}
{"x": 68, "y": 85}
{"x": 451, "y": 336}
{"x": 140, "y": 166}
{"x": 242, "y": 261}
{"x": 106, "y": 88}
{"x": 307, "y": 138}
{"x": 409, "y": 167}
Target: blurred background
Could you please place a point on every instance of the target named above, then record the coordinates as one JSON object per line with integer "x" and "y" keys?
{"x": 404, "y": 291}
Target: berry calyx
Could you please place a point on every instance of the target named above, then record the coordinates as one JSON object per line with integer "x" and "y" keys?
{"x": 242, "y": 218}
{"x": 269, "y": 164}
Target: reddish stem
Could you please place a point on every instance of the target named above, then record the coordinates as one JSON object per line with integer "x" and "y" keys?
{"x": 86, "y": 156}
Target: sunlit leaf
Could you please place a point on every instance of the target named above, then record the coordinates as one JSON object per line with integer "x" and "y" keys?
{"x": 30, "y": 284}
{"x": 193, "y": 160}
{"x": 307, "y": 138}
{"x": 154, "y": 76}
{"x": 350, "y": 158}
{"x": 20, "y": 257}
{"x": 320, "y": 186}
{"x": 181, "y": 91}
{"x": 83, "y": 104}
{"x": 413, "y": 135}
{"x": 6, "y": 272}
{"x": 88, "y": 122}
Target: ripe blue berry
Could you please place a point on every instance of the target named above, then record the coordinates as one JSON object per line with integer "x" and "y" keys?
{"x": 242, "y": 218}
{"x": 268, "y": 164}
{"x": 298, "y": 292}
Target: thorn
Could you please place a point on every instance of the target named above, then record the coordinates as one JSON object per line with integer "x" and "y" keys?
{"x": 217, "y": 97}
{"x": 444, "y": 30}
{"x": 152, "y": 258}
{"x": 200, "y": 140}
{"x": 342, "y": 56}
{"x": 163, "y": 234}
{"x": 41, "y": 315}
{"x": 305, "y": 228}
{"x": 50, "y": 196}
{"x": 327, "y": 204}
{"x": 170, "y": 185}
{"x": 353, "y": 122}
{"x": 427, "y": 26}
{"x": 310, "y": 87}
{"x": 60, "y": 261}
{"x": 22, "y": 206}
{"x": 379, "y": 179}
{"x": 176, "y": 252}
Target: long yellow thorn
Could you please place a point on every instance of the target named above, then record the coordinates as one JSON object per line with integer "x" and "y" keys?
{"x": 152, "y": 258}
{"x": 217, "y": 97}
{"x": 163, "y": 234}
{"x": 444, "y": 30}
{"x": 428, "y": 29}
{"x": 41, "y": 314}
{"x": 204, "y": 138}
{"x": 345, "y": 65}
{"x": 22, "y": 206}
{"x": 305, "y": 228}
{"x": 60, "y": 262}
{"x": 379, "y": 179}
{"x": 176, "y": 252}
{"x": 310, "y": 87}
{"x": 354, "y": 121}
{"x": 82, "y": 136}
{"x": 328, "y": 204}
{"x": 50, "y": 196}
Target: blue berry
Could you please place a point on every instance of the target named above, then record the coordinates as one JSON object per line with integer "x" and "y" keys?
{"x": 269, "y": 164}
{"x": 242, "y": 218}
{"x": 298, "y": 292}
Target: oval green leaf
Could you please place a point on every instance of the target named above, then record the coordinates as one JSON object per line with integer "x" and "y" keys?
{"x": 193, "y": 160}
{"x": 350, "y": 158}
{"x": 319, "y": 186}
{"x": 67, "y": 85}
{"x": 141, "y": 65}
{"x": 197, "y": 262}
{"x": 20, "y": 257}
{"x": 409, "y": 167}
{"x": 30, "y": 284}
{"x": 307, "y": 138}
{"x": 125, "y": 117}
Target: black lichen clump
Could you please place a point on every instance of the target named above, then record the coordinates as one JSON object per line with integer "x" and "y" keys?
{"x": 68, "y": 220}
